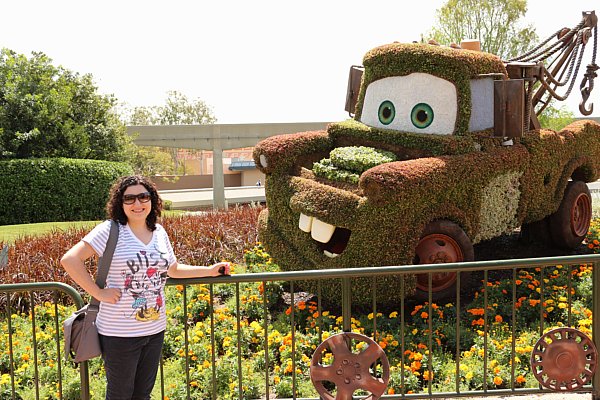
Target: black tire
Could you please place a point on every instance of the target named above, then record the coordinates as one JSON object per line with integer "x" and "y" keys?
{"x": 442, "y": 241}
{"x": 569, "y": 225}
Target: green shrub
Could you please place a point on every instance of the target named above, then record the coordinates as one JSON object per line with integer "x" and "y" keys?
{"x": 360, "y": 158}
{"x": 56, "y": 189}
{"x": 201, "y": 239}
{"x": 346, "y": 163}
{"x": 326, "y": 169}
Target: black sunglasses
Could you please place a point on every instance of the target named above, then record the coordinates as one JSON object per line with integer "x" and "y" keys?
{"x": 142, "y": 197}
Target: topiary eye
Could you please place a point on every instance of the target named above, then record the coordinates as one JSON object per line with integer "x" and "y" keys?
{"x": 421, "y": 115}
{"x": 387, "y": 112}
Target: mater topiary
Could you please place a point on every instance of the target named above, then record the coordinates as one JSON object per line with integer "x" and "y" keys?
{"x": 456, "y": 189}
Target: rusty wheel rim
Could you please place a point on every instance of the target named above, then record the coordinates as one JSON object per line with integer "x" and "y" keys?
{"x": 349, "y": 371}
{"x": 581, "y": 213}
{"x": 564, "y": 359}
{"x": 438, "y": 248}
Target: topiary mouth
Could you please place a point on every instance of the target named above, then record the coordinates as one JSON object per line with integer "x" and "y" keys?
{"x": 332, "y": 240}
{"x": 337, "y": 244}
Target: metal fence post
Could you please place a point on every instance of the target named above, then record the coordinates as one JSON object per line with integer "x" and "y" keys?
{"x": 596, "y": 324}
{"x": 346, "y": 305}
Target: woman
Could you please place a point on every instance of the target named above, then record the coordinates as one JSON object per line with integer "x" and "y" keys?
{"x": 132, "y": 318}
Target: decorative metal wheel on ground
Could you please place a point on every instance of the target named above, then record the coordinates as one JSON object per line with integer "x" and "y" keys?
{"x": 564, "y": 359}
{"x": 369, "y": 369}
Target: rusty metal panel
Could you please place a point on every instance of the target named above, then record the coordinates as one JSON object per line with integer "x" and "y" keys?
{"x": 509, "y": 107}
{"x": 518, "y": 70}
{"x": 354, "y": 78}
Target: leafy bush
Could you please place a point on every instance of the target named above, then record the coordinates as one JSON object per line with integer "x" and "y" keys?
{"x": 56, "y": 189}
{"x": 360, "y": 158}
{"x": 347, "y": 163}
{"x": 202, "y": 239}
{"x": 326, "y": 169}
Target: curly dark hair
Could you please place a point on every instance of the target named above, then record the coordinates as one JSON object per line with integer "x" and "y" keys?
{"x": 114, "y": 207}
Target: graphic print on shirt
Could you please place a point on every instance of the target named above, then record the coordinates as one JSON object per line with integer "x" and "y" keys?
{"x": 143, "y": 281}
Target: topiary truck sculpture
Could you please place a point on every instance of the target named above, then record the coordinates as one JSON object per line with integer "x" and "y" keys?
{"x": 444, "y": 151}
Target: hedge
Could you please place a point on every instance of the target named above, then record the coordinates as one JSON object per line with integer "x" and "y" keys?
{"x": 56, "y": 189}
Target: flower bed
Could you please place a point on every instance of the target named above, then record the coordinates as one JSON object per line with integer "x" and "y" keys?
{"x": 404, "y": 334}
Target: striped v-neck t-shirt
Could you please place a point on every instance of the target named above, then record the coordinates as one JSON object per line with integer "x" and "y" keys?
{"x": 140, "y": 271}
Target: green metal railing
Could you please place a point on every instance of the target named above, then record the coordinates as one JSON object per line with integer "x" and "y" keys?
{"x": 32, "y": 289}
{"x": 292, "y": 280}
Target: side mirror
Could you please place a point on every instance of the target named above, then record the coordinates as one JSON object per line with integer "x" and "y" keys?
{"x": 509, "y": 108}
{"x": 354, "y": 79}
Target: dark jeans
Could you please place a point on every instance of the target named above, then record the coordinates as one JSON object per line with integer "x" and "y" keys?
{"x": 131, "y": 365}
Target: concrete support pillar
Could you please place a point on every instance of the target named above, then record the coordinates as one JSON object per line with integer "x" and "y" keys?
{"x": 218, "y": 178}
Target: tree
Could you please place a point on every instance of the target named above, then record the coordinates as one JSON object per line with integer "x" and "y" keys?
{"x": 177, "y": 110}
{"x": 495, "y": 23}
{"x": 48, "y": 111}
{"x": 556, "y": 118}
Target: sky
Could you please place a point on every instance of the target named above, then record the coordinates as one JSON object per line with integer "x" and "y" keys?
{"x": 251, "y": 61}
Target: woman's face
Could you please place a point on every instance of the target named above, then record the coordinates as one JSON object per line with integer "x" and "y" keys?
{"x": 137, "y": 203}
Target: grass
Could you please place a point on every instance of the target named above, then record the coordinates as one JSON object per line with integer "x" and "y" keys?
{"x": 9, "y": 233}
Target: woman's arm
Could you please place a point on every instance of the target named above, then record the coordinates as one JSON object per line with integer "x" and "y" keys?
{"x": 74, "y": 263}
{"x": 177, "y": 270}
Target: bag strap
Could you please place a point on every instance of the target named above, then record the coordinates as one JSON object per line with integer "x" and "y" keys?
{"x": 106, "y": 259}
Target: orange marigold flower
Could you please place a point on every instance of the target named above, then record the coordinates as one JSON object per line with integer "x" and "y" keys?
{"x": 521, "y": 379}
{"x": 498, "y": 381}
{"x": 518, "y": 281}
{"x": 417, "y": 308}
{"x": 424, "y": 315}
{"x": 476, "y": 311}
{"x": 498, "y": 318}
{"x": 415, "y": 366}
{"x": 479, "y": 321}
{"x": 288, "y": 311}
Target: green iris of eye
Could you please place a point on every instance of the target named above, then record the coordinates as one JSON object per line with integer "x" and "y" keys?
{"x": 387, "y": 112}
{"x": 421, "y": 115}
